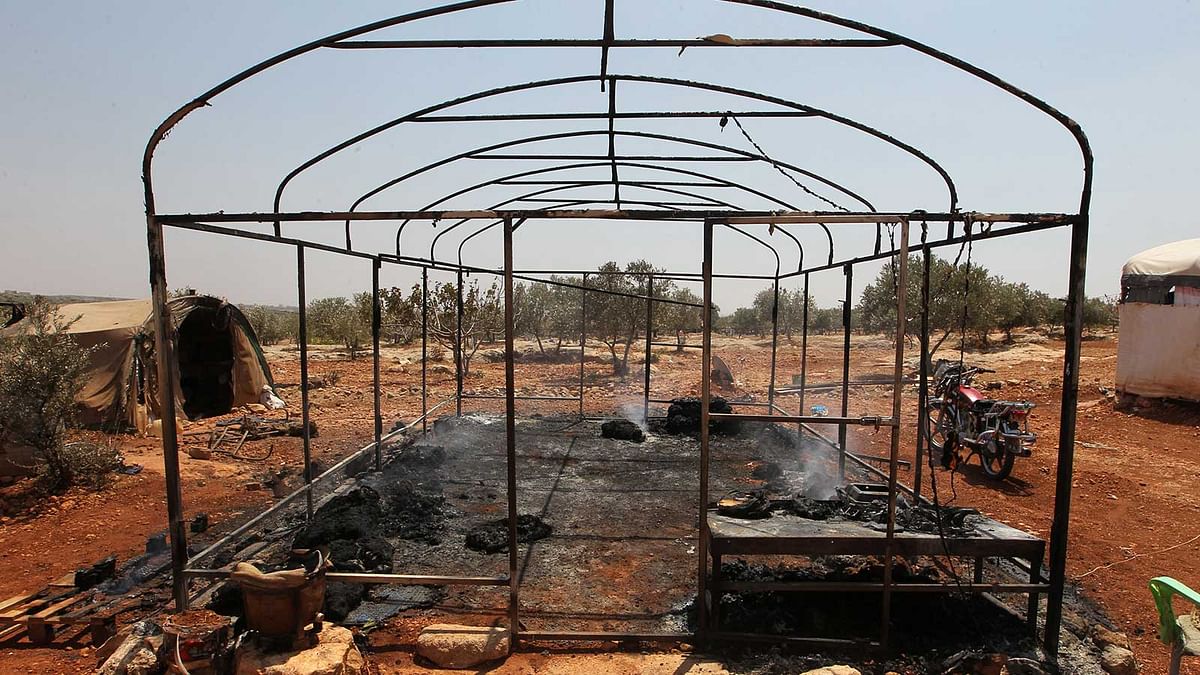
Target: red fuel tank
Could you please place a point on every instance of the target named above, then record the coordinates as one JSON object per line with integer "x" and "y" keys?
{"x": 970, "y": 393}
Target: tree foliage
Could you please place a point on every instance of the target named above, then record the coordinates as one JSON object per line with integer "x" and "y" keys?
{"x": 42, "y": 369}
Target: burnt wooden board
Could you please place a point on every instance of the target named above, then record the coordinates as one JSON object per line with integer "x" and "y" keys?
{"x": 792, "y": 535}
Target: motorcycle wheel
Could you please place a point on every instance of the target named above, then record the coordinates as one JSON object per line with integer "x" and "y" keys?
{"x": 999, "y": 465}
{"x": 938, "y": 424}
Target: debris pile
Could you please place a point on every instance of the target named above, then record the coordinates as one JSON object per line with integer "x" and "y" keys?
{"x": 683, "y": 417}
{"x": 924, "y": 518}
{"x": 492, "y": 537}
{"x": 622, "y": 430}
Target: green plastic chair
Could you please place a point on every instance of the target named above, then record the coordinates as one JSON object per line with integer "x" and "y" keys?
{"x": 1182, "y": 634}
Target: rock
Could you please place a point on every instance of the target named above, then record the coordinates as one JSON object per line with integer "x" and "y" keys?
{"x": 1022, "y": 666}
{"x": 1104, "y": 637}
{"x": 441, "y": 369}
{"x": 199, "y": 453}
{"x": 86, "y": 577}
{"x": 334, "y": 654}
{"x": 1118, "y": 661}
{"x": 200, "y": 523}
{"x": 623, "y": 430}
{"x": 455, "y": 646}
{"x": 492, "y": 537}
{"x": 1144, "y": 402}
{"x": 833, "y": 670}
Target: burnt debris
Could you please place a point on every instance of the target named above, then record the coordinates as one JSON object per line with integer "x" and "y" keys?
{"x": 622, "y": 430}
{"x": 492, "y": 537}
{"x": 683, "y": 417}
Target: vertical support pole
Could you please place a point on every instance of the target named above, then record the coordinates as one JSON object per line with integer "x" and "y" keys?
{"x": 376, "y": 325}
{"x": 424, "y": 349}
{"x": 164, "y": 349}
{"x": 510, "y": 430}
{"x": 302, "y": 303}
{"x": 848, "y": 270}
{"x": 774, "y": 346}
{"x": 582, "y": 340}
{"x": 803, "y": 361}
{"x": 649, "y": 334}
{"x": 923, "y": 385}
{"x": 894, "y": 451}
{"x": 458, "y": 345}
{"x": 1073, "y": 327}
{"x": 705, "y": 393}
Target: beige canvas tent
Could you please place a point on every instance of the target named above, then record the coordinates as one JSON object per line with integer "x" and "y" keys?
{"x": 1159, "y": 351}
{"x": 220, "y": 364}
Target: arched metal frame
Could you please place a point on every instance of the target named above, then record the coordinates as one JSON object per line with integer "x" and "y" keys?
{"x": 1001, "y": 225}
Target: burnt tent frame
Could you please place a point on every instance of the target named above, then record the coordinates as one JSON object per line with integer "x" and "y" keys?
{"x": 684, "y": 199}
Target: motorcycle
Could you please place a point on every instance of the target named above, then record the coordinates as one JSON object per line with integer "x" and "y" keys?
{"x": 961, "y": 419}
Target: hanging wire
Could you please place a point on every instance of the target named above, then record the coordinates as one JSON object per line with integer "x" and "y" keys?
{"x": 730, "y": 116}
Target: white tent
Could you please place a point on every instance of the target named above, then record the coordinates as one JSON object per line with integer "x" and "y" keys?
{"x": 1159, "y": 350}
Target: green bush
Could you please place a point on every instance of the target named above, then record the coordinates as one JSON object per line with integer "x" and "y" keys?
{"x": 41, "y": 371}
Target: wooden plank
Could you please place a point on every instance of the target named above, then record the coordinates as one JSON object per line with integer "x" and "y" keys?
{"x": 12, "y": 631}
{"x": 56, "y": 607}
{"x": 15, "y": 600}
{"x": 65, "y": 581}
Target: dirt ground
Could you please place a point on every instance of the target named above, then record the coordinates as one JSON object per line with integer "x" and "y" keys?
{"x": 1134, "y": 487}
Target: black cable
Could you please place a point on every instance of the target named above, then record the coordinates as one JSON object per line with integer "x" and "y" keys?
{"x": 778, "y": 168}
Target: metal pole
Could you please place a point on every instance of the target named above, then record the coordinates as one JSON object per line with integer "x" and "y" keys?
{"x": 848, "y": 270}
{"x": 424, "y": 349}
{"x": 705, "y": 392}
{"x": 164, "y": 349}
{"x": 803, "y": 360}
{"x": 649, "y": 337}
{"x": 458, "y": 345}
{"x": 1073, "y": 327}
{"x": 376, "y": 320}
{"x": 303, "y": 338}
{"x": 894, "y": 452}
{"x": 923, "y": 385}
{"x": 510, "y": 428}
{"x": 774, "y": 342}
{"x": 582, "y": 339}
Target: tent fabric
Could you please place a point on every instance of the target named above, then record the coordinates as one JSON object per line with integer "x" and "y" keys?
{"x": 1177, "y": 259}
{"x": 1158, "y": 355}
{"x": 121, "y": 385}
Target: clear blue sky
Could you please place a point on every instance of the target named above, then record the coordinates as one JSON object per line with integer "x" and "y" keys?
{"x": 86, "y": 83}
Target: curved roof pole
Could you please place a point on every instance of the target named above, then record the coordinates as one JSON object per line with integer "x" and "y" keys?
{"x": 632, "y": 134}
{"x": 559, "y": 188}
{"x": 566, "y": 204}
{"x": 717, "y": 180}
{"x": 638, "y": 184}
{"x": 817, "y": 112}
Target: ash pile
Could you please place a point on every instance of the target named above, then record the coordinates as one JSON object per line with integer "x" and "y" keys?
{"x": 865, "y": 503}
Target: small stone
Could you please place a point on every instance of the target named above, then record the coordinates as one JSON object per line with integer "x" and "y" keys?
{"x": 1104, "y": 637}
{"x": 334, "y": 654}
{"x": 455, "y": 646}
{"x": 1118, "y": 661}
{"x": 199, "y": 453}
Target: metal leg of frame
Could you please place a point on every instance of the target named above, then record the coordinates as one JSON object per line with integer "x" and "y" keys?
{"x": 376, "y": 321}
{"x": 165, "y": 349}
{"x": 803, "y": 360}
{"x": 705, "y": 392}
{"x": 649, "y": 338}
{"x": 458, "y": 344}
{"x": 302, "y": 303}
{"x": 582, "y": 338}
{"x": 774, "y": 341}
{"x": 510, "y": 428}
{"x": 1073, "y": 323}
{"x": 1031, "y": 613}
{"x": 424, "y": 349}
{"x": 894, "y": 451}
{"x": 848, "y": 270}
{"x": 923, "y": 385}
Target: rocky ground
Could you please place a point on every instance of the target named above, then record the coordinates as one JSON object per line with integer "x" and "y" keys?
{"x": 1134, "y": 488}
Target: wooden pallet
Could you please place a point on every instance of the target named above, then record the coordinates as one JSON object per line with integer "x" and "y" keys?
{"x": 39, "y": 615}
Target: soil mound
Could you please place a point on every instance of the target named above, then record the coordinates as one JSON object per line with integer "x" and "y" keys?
{"x": 622, "y": 430}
